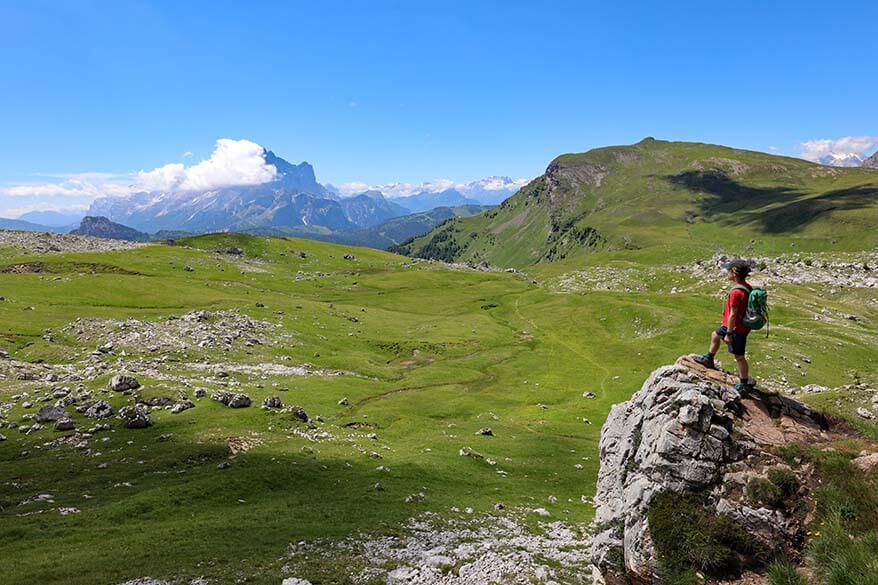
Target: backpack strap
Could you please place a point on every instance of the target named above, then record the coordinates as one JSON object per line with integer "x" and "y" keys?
{"x": 742, "y": 287}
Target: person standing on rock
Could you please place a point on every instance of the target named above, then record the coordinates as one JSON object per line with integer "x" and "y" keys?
{"x": 733, "y": 332}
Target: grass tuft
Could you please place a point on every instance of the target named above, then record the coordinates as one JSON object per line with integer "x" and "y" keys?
{"x": 689, "y": 539}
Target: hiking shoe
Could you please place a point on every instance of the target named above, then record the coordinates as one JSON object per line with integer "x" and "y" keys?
{"x": 745, "y": 389}
{"x": 705, "y": 359}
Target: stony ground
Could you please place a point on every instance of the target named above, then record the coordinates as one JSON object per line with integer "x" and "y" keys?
{"x": 51, "y": 243}
{"x": 468, "y": 549}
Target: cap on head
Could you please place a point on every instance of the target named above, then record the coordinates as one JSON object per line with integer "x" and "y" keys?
{"x": 738, "y": 266}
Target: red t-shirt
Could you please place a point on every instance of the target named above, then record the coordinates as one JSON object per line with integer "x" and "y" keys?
{"x": 738, "y": 299}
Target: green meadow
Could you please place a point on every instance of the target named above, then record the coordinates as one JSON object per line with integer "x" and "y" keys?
{"x": 425, "y": 356}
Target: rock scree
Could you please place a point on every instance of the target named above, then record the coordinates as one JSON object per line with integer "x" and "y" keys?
{"x": 688, "y": 438}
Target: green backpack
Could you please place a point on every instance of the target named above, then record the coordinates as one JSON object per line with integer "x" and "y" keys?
{"x": 756, "y": 316}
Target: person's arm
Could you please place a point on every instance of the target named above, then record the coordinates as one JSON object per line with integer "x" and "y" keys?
{"x": 733, "y": 320}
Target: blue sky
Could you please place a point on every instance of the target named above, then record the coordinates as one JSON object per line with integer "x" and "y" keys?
{"x": 377, "y": 92}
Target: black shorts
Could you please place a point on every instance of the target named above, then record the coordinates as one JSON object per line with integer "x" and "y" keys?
{"x": 739, "y": 340}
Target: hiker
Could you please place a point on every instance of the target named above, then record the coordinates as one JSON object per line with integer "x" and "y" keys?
{"x": 733, "y": 332}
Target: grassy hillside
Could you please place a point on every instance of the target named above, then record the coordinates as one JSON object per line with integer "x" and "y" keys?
{"x": 424, "y": 355}
{"x": 674, "y": 199}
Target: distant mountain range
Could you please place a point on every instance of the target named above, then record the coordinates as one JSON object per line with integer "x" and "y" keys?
{"x": 382, "y": 236}
{"x": 846, "y": 159}
{"x": 59, "y": 219}
{"x": 26, "y": 226}
{"x": 293, "y": 201}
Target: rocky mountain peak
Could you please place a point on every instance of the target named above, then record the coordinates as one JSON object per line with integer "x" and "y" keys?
{"x": 300, "y": 177}
{"x": 689, "y": 437}
{"x": 101, "y": 227}
{"x": 871, "y": 162}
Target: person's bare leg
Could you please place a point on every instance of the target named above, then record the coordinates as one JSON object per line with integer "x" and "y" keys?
{"x": 743, "y": 367}
{"x": 715, "y": 340}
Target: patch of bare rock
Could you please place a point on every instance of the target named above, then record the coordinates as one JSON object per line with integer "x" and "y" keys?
{"x": 852, "y": 270}
{"x": 688, "y": 431}
{"x": 479, "y": 549}
{"x": 194, "y": 330}
{"x": 46, "y": 243}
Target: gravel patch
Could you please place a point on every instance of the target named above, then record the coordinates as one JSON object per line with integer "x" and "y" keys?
{"x": 477, "y": 549}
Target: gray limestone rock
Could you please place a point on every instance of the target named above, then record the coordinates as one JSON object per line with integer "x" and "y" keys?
{"x": 99, "y": 409}
{"x": 124, "y": 383}
{"x": 688, "y": 431}
{"x": 135, "y": 417}
{"x": 51, "y": 414}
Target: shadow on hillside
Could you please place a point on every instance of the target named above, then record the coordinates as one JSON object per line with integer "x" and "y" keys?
{"x": 790, "y": 209}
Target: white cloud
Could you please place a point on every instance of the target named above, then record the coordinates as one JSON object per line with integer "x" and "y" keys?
{"x": 186, "y": 154}
{"x": 165, "y": 178}
{"x": 818, "y": 150}
{"x": 405, "y": 189}
{"x": 71, "y": 188}
{"x": 22, "y": 209}
{"x": 233, "y": 162}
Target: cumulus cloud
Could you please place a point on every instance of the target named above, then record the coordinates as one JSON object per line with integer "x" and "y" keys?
{"x": 164, "y": 178}
{"x": 818, "y": 150}
{"x": 233, "y": 162}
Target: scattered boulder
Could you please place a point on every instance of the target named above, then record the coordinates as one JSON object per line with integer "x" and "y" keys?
{"x": 295, "y": 581}
{"x": 135, "y": 417}
{"x": 124, "y": 383}
{"x": 65, "y": 424}
{"x": 232, "y": 399}
{"x": 467, "y": 452}
{"x": 343, "y": 402}
{"x": 866, "y": 461}
{"x": 485, "y": 431}
{"x": 272, "y": 402}
{"x": 866, "y": 414}
{"x": 51, "y": 414}
{"x": 298, "y": 412}
{"x": 588, "y": 395}
{"x": 688, "y": 443}
{"x": 99, "y": 409}
{"x": 181, "y": 406}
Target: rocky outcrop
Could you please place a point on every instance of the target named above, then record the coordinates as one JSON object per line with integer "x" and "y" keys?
{"x": 689, "y": 432}
{"x": 871, "y": 162}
